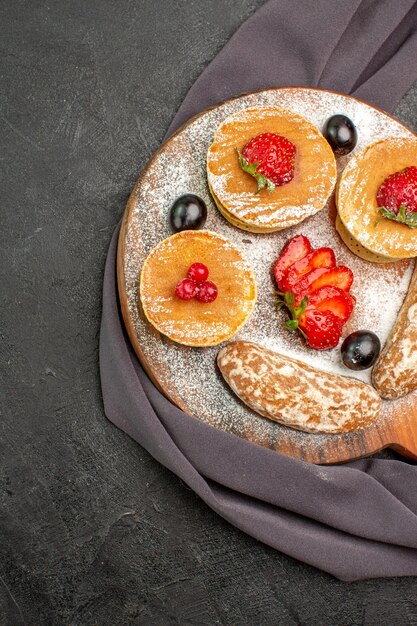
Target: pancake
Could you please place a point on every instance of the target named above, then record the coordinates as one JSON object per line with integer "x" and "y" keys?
{"x": 357, "y": 248}
{"x": 357, "y": 204}
{"x": 234, "y": 190}
{"x": 191, "y": 322}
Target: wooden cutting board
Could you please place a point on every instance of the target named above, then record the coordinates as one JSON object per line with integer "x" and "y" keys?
{"x": 189, "y": 376}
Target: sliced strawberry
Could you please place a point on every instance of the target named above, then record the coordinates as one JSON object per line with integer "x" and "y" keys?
{"x": 333, "y": 299}
{"x": 322, "y": 257}
{"x": 296, "y": 249}
{"x": 323, "y": 329}
{"x": 314, "y": 291}
{"x": 340, "y": 277}
{"x": 301, "y": 288}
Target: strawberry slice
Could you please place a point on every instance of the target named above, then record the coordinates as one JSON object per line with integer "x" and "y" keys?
{"x": 301, "y": 288}
{"x": 340, "y": 277}
{"x": 335, "y": 300}
{"x": 322, "y": 329}
{"x": 296, "y": 249}
{"x": 314, "y": 291}
{"x": 322, "y": 257}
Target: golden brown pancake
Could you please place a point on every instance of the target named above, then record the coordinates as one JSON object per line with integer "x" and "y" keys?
{"x": 234, "y": 190}
{"x": 192, "y": 322}
{"x": 356, "y": 198}
{"x": 357, "y": 248}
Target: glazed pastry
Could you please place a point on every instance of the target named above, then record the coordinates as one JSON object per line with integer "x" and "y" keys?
{"x": 301, "y": 191}
{"x": 395, "y": 373}
{"x": 358, "y": 201}
{"x": 295, "y": 394}
{"x": 197, "y": 321}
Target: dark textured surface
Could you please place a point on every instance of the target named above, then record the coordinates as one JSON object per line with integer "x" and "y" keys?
{"x": 92, "y": 529}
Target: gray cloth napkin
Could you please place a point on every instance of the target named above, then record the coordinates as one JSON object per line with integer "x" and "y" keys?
{"x": 357, "y": 520}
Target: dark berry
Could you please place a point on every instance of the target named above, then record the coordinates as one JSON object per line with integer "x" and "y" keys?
{"x": 198, "y": 272}
{"x": 341, "y": 134}
{"x": 188, "y": 212}
{"x": 186, "y": 289}
{"x": 206, "y": 292}
{"x": 360, "y": 350}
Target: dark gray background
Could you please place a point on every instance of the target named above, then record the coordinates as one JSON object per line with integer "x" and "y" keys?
{"x": 92, "y": 530}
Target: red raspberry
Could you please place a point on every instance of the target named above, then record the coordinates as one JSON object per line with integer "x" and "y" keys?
{"x": 198, "y": 272}
{"x": 206, "y": 292}
{"x": 186, "y": 289}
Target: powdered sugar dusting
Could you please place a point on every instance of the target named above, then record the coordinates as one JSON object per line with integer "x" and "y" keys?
{"x": 281, "y": 209}
{"x": 357, "y": 193}
{"x": 190, "y": 374}
{"x": 198, "y": 324}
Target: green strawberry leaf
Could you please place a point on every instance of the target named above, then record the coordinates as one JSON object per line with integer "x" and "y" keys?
{"x": 402, "y": 217}
{"x": 401, "y": 214}
{"x": 289, "y": 300}
{"x": 411, "y": 220}
{"x": 299, "y": 310}
{"x": 291, "y": 324}
{"x": 389, "y": 215}
{"x": 279, "y": 304}
{"x": 251, "y": 168}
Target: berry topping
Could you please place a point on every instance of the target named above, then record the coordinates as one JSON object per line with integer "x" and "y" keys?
{"x": 270, "y": 159}
{"x": 296, "y": 249}
{"x": 206, "y": 292}
{"x": 196, "y": 285}
{"x": 198, "y": 272}
{"x": 397, "y": 197}
{"x": 341, "y": 134}
{"x": 188, "y": 212}
{"x": 186, "y": 289}
{"x": 360, "y": 350}
{"x": 315, "y": 292}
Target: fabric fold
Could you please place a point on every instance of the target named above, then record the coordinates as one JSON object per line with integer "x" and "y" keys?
{"x": 357, "y": 520}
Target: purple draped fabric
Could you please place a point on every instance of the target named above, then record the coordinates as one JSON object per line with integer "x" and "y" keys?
{"x": 357, "y": 520}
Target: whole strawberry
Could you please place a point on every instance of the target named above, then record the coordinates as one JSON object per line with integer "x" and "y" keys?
{"x": 397, "y": 197}
{"x": 270, "y": 159}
